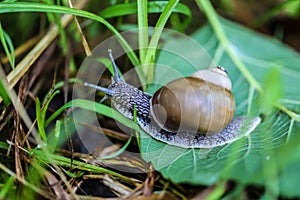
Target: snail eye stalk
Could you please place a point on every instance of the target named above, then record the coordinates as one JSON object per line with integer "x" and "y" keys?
{"x": 222, "y": 69}
{"x": 102, "y": 89}
{"x": 117, "y": 76}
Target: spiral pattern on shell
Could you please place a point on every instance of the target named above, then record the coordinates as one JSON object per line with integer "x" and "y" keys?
{"x": 194, "y": 103}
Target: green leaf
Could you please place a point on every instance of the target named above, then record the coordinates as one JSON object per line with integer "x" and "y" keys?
{"x": 8, "y": 46}
{"x": 41, "y": 113}
{"x": 53, "y": 139}
{"x": 40, "y": 118}
{"x": 3, "y": 92}
{"x": 7, "y": 186}
{"x": 216, "y": 24}
{"x": 251, "y": 160}
{"x": 4, "y": 145}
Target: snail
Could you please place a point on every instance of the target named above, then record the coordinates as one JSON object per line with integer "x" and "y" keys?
{"x": 189, "y": 112}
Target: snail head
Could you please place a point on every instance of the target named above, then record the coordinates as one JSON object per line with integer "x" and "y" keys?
{"x": 115, "y": 78}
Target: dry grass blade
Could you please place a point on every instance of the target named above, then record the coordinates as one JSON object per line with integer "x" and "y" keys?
{"x": 56, "y": 186}
{"x": 17, "y": 104}
{"x": 23, "y": 48}
{"x": 116, "y": 186}
{"x": 83, "y": 40}
{"x": 149, "y": 182}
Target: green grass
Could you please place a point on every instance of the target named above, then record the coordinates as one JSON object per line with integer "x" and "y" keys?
{"x": 37, "y": 155}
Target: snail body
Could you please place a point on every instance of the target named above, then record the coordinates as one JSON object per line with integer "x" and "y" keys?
{"x": 191, "y": 112}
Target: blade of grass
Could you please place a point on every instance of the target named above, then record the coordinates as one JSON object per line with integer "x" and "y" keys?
{"x": 83, "y": 40}
{"x": 4, "y": 145}
{"x": 136, "y": 131}
{"x": 24, "y": 182}
{"x": 290, "y": 8}
{"x": 3, "y": 93}
{"x": 52, "y": 180}
{"x": 97, "y": 107}
{"x": 153, "y": 7}
{"x": 217, "y": 192}
{"x": 49, "y": 158}
{"x": 41, "y": 114}
{"x": 8, "y": 47}
{"x": 212, "y": 16}
{"x": 22, "y": 48}
{"x": 142, "y": 28}
{"x": 161, "y": 22}
{"x": 40, "y": 120}
{"x": 37, "y": 7}
{"x": 6, "y": 187}
{"x": 74, "y": 175}
{"x": 178, "y": 24}
{"x": 54, "y": 18}
{"x": 54, "y": 138}
{"x": 15, "y": 75}
{"x": 121, "y": 150}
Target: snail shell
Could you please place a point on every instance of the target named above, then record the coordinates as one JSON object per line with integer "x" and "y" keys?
{"x": 202, "y": 102}
{"x": 191, "y": 112}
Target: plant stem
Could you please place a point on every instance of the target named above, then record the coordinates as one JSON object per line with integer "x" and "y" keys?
{"x": 212, "y": 16}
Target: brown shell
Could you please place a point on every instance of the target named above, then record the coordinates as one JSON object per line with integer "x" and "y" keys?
{"x": 194, "y": 105}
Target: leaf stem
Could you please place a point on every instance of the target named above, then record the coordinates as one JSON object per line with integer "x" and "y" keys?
{"x": 290, "y": 113}
{"x": 210, "y": 13}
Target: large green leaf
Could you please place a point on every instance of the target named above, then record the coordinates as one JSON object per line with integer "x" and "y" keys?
{"x": 255, "y": 159}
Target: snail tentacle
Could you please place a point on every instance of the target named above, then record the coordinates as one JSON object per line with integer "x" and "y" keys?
{"x": 117, "y": 75}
